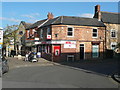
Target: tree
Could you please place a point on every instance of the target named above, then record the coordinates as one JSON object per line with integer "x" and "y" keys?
{"x": 9, "y": 33}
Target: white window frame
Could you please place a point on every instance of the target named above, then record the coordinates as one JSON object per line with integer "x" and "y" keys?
{"x": 93, "y": 32}
{"x": 41, "y": 33}
{"x": 72, "y": 32}
{"x": 113, "y": 43}
{"x": 115, "y": 33}
{"x": 71, "y": 56}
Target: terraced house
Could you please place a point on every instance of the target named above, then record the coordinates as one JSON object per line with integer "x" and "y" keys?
{"x": 112, "y": 24}
{"x": 67, "y": 38}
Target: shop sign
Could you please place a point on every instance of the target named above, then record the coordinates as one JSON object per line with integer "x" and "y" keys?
{"x": 36, "y": 38}
{"x": 48, "y": 36}
{"x": 37, "y": 42}
{"x": 1, "y": 33}
{"x": 69, "y": 45}
{"x": 57, "y": 42}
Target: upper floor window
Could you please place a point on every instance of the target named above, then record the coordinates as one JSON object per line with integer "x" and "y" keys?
{"x": 113, "y": 34}
{"x": 95, "y": 33}
{"x": 48, "y": 31}
{"x": 70, "y": 32}
{"x": 41, "y": 33}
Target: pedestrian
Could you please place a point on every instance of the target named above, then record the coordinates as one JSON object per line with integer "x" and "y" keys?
{"x": 12, "y": 53}
{"x": 26, "y": 56}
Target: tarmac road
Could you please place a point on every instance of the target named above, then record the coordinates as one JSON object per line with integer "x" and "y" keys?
{"x": 54, "y": 77}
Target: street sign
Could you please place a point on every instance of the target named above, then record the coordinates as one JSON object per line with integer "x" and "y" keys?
{"x": 0, "y": 46}
{"x": 1, "y": 37}
{"x": 1, "y": 33}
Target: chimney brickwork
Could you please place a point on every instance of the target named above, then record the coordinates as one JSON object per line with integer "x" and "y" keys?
{"x": 97, "y": 12}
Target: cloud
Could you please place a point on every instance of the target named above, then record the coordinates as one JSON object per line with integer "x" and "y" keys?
{"x": 28, "y": 16}
{"x": 10, "y": 19}
{"x": 89, "y": 15}
{"x": 32, "y": 15}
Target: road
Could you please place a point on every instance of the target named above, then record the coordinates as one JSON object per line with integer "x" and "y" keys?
{"x": 54, "y": 77}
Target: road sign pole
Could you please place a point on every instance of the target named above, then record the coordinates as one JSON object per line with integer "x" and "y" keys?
{"x": 1, "y": 41}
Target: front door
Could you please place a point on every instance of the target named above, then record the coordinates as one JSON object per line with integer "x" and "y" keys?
{"x": 81, "y": 51}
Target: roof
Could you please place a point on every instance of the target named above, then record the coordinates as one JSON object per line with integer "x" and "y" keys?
{"x": 109, "y": 17}
{"x": 26, "y": 25}
{"x": 36, "y": 24}
{"x": 71, "y": 20}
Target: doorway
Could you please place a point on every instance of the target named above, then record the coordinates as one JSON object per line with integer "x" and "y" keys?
{"x": 81, "y": 51}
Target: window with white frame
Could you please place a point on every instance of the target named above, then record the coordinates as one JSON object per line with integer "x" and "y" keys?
{"x": 41, "y": 33}
{"x": 70, "y": 57}
{"x": 113, "y": 45}
{"x": 113, "y": 33}
{"x": 95, "y": 33}
{"x": 48, "y": 31}
{"x": 70, "y": 32}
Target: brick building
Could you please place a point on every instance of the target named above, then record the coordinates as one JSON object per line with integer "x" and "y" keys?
{"x": 112, "y": 23}
{"x": 67, "y": 38}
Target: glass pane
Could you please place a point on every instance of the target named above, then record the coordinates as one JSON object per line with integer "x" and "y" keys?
{"x": 94, "y": 34}
{"x": 69, "y": 29}
{"x": 69, "y": 33}
{"x": 95, "y": 51}
{"x": 94, "y": 30}
{"x": 113, "y": 34}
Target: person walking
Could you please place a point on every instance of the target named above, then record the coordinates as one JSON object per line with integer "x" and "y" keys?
{"x": 26, "y": 56}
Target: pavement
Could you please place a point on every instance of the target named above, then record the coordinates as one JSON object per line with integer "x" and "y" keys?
{"x": 19, "y": 62}
{"x": 107, "y": 67}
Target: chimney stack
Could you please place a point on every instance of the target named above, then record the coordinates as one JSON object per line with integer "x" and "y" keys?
{"x": 50, "y": 15}
{"x": 97, "y": 12}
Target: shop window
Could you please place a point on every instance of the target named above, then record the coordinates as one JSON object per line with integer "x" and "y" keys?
{"x": 95, "y": 51}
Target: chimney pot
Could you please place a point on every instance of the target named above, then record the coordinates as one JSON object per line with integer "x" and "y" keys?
{"x": 50, "y": 15}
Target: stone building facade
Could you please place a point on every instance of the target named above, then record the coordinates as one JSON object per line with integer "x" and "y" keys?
{"x": 112, "y": 24}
